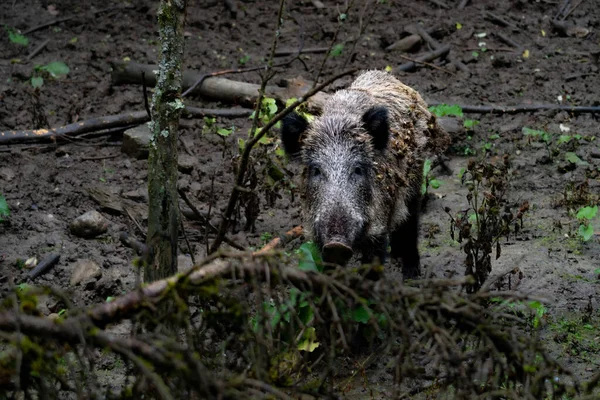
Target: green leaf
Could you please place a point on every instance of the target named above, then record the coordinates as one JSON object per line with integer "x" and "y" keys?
{"x": 586, "y": 232}
{"x": 475, "y": 54}
{"x": 442, "y": 110}
{"x": 470, "y": 123}
{"x": 336, "y": 50}
{"x": 4, "y": 210}
{"x": 564, "y": 139}
{"x": 17, "y": 38}
{"x": 587, "y": 212}
{"x": 574, "y": 158}
{"x": 435, "y": 183}
{"x": 37, "y": 81}
{"x": 56, "y": 69}
{"x": 360, "y": 314}
{"x": 270, "y": 105}
{"x": 531, "y": 132}
{"x": 224, "y": 132}
{"x": 241, "y": 145}
{"x": 309, "y": 340}
{"x": 310, "y": 258}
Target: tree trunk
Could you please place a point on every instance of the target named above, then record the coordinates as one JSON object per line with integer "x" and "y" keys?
{"x": 163, "y": 216}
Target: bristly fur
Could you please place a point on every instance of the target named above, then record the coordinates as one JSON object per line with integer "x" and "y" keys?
{"x": 383, "y": 128}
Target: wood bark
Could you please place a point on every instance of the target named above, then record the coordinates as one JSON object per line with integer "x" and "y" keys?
{"x": 163, "y": 213}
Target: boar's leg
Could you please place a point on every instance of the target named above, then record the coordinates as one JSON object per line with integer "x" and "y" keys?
{"x": 404, "y": 244}
{"x": 374, "y": 248}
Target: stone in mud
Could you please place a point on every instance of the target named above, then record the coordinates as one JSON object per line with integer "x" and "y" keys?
{"x": 136, "y": 142}
{"x": 89, "y": 225}
{"x": 84, "y": 270}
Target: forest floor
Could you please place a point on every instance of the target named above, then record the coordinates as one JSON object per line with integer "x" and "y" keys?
{"x": 48, "y": 185}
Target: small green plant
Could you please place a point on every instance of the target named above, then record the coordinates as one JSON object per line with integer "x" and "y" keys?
{"x": 337, "y": 50}
{"x": 244, "y": 59}
{"x": 54, "y": 70}
{"x": 428, "y": 180}
{"x": 266, "y": 237}
{"x": 4, "y": 210}
{"x": 585, "y": 216}
{"x": 443, "y": 110}
{"x": 15, "y": 37}
{"x": 487, "y": 219}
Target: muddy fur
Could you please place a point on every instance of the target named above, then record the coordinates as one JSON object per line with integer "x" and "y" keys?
{"x": 363, "y": 161}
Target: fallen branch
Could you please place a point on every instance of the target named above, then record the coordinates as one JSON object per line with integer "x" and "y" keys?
{"x": 436, "y": 45}
{"x": 109, "y": 122}
{"x": 409, "y": 66}
{"x": 525, "y": 108}
{"x": 308, "y": 50}
{"x": 44, "y": 266}
{"x": 282, "y": 240}
{"x": 221, "y": 89}
{"x": 427, "y": 64}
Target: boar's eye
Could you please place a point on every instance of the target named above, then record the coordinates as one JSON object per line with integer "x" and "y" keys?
{"x": 359, "y": 171}
{"x": 315, "y": 172}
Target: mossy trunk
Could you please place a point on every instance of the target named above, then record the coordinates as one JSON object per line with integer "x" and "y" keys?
{"x": 163, "y": 216}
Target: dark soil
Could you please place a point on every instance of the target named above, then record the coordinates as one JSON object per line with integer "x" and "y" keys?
{"x": 48, "y": 185}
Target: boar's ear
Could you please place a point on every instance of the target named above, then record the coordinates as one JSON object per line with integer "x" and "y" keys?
{"x": 375, "y": 121}
{"x": 293, "y": 127}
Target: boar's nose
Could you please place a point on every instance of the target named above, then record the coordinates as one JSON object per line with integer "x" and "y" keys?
{"x": 337, "y": 252}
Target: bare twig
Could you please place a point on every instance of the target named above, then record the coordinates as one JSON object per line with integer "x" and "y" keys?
{"x": 436, "y": 45}
{"x": 282, "y": 240}
{"x": 205, "y": 220}
{"x": 571, "y": 10}
{"x": 424, "y": 58}
{"x": 499, "y": 20}
{"x": 308, "y": 50}
{"x": 526, "y": 108}
{"x": 463, "y": 4}
{"x": 507, "y": 40}
{"x": 145, "y": 94}
{"x": 426, "y": 63}
{"x": 36, "y": 51}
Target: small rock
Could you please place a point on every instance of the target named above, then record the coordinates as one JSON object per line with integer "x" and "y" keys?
{"x": 7, "y": 174}
{"x": 185, "y": 163}
{"x": 595, "y": 153}
{"x": 85, "y": 270}
{"x": 136, "y": 141}
{"x": 89, "y": 225}
{"x": 140, "y": 195}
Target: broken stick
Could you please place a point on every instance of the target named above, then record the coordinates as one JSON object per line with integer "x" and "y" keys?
{"x": 221, "y": 89}
{"x": 424, "y": 58}
{"x": 436, "y": 45}
{"x": 109, "y": 122}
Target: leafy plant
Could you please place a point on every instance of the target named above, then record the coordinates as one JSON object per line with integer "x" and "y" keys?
{"x": 428, "y": 180}
{"x": 4, "y": 210}
{"x": 585, "y": 216}
{"x": 442, "y": 110}
{"x": 55, "y": 69}
{"x": 15, "y": 37}
{"x": 244, "y": 59}
{"x": 337, "y": 50}
{"x": 486, "y": 220}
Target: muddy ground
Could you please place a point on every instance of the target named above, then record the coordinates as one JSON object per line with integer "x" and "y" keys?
{"x": 48, "y": 185}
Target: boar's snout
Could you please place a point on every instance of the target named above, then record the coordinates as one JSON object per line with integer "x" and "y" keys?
{"x": 337, "y": 253}
{"x": 337, "y": 234}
